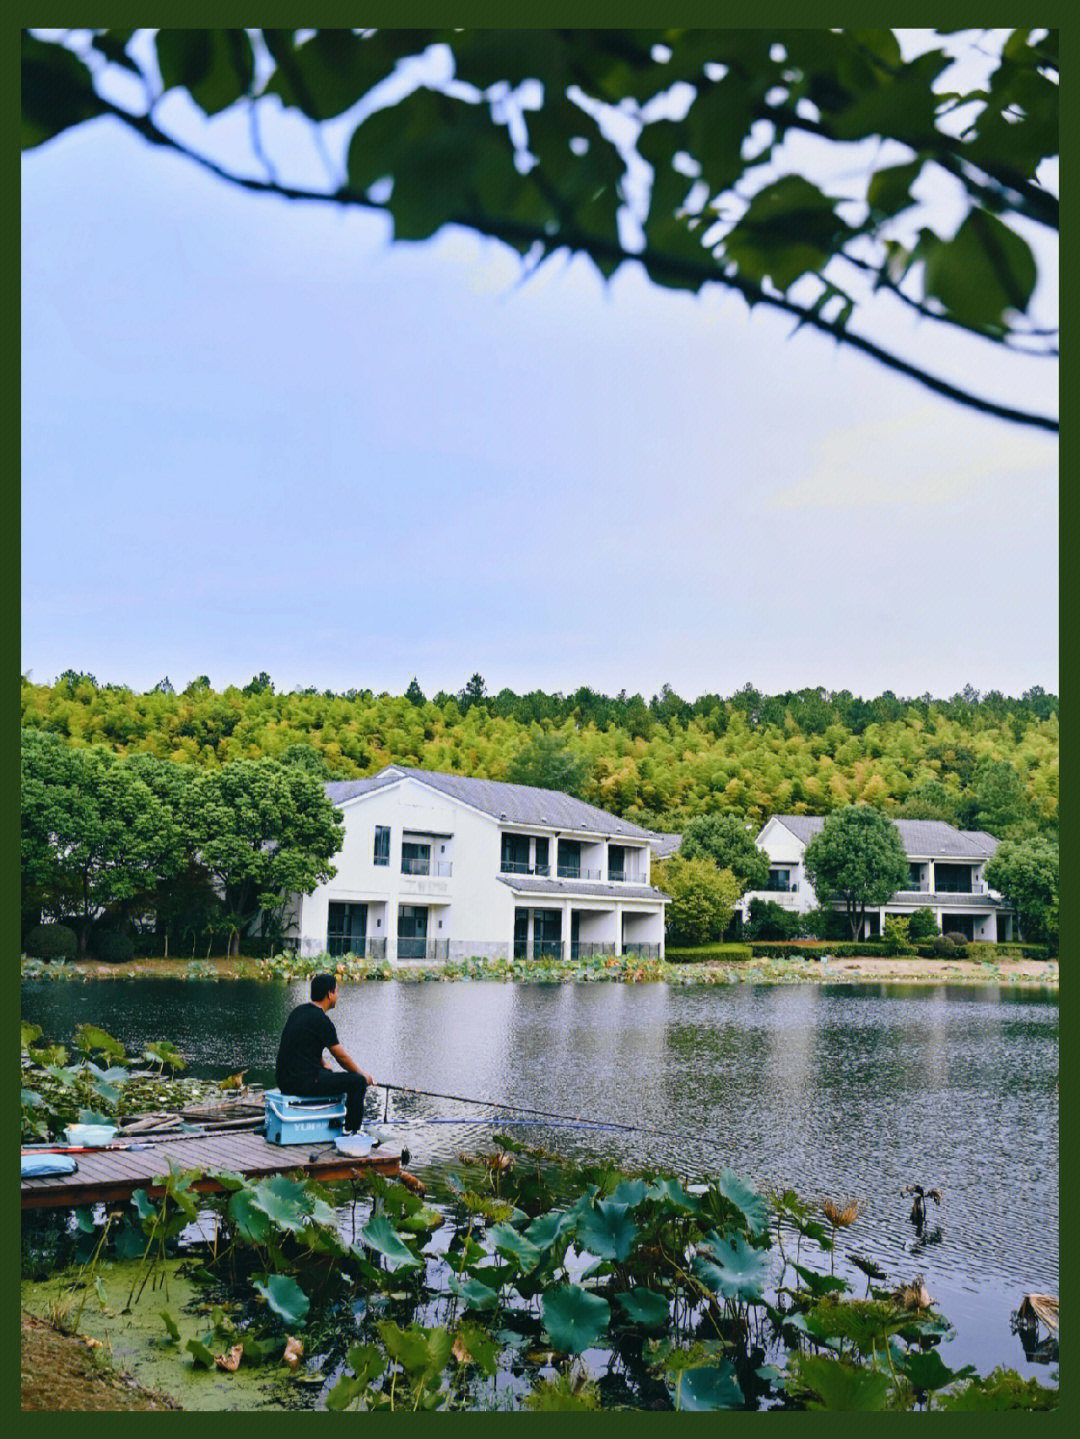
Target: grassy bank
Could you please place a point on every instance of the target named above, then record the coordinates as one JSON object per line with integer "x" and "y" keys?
{"x": 902, "y": 969}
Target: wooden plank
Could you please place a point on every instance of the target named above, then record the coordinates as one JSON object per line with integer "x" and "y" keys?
{"x": 113, "y": 1175}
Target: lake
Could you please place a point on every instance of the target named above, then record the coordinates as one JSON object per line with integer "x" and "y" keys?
{"x": 841, "y": 1091}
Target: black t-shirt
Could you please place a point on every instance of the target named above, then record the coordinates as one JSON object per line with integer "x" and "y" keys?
{"x": 308, "y": 1031}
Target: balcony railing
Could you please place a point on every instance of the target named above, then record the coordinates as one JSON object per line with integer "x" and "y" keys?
{"x": 441, "y": 868}
{"x": 520, "y": 866}
{"x": 429, "y": 949}
{"x": 574, "y": 871}
{"x": 643, "y": 951}
{"x": 338, "y": 945}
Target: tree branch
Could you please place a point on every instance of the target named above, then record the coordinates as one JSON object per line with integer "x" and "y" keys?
{"x": 676, "y": 268}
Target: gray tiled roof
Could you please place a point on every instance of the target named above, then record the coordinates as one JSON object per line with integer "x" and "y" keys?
{"x": 533, "y": 884}
{"x": 918, "y": 836}
{"x": 511, "y": 803}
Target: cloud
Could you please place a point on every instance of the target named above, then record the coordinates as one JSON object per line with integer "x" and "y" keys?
{"x": 914, "y": 459}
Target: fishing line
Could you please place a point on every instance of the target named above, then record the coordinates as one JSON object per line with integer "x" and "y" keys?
{"x": 570, "y": 1119}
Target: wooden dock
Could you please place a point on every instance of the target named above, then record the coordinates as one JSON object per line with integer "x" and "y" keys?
{"x": 109, "y": 1175}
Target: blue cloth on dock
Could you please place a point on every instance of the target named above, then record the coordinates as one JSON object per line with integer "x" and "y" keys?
{"x": 36, "y": 1165}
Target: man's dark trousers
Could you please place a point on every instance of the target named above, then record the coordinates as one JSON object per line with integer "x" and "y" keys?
{"x": 352, "y": 1086}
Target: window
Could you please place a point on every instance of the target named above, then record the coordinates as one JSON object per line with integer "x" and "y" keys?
{"x": 779, "y": 881}
{"x": 382, "y": 844}
{"x": 415, "y": 858}
{"x": 515, "y": 854}
{"x": 541, "y": 866}
{"x": 412, "y": 931}
{"x": 346, "y": 929}
{"x": 570, "y": 858}
{"x": 952, "y": 878}
{"x": 616, "y": 861}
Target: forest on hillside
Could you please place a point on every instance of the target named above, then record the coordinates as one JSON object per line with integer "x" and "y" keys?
{"x": 980, "y": 761}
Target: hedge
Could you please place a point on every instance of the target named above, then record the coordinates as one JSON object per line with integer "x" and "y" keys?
{"x": 50, "y": 941}
{"x": 112, "y": 948}
{"x": 735, "y": 952}
{"x": 818, "y": 948}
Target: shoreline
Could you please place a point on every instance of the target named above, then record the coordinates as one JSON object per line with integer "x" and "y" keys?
{"x": 900, "y": 969}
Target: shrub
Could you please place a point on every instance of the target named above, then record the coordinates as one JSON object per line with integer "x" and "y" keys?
{"x": 897, "y": 936}
{"x": 922, "y": 924}
{"x": 959, "y": 942}
{"x": 738, "y": 953}
{"x": 112, "y": 948}
{"x": 769, "y": 920}
{"x": 51, "y": 941}
{"x": 825, "y": 923}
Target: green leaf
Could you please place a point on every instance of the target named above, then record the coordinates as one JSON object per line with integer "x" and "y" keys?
{"x": 740, "y": 1272}
{"x": 927, "y": 1370}
{"x": 630, "y": 1192}
{"x": 672, "y": 1197}
{"x": 421, "y": 1352}
{"x": 344, "y": 1392}
{"x": 514, "y": 1246}
{"x": 283, "y": 1201}
{"x": 284, "y": 1296}
{"x": 985, "y": 270}
{"x": 475, "y": 1294}
{"x": 216, "y": 67}
{"x": 89, "y": 1037}
{"x": 889, "y": 190}
{"x": 547, "y": 1229}
{"x": 29, "y": 1033}
{"x": 835, "y": 1384}
{"x": 57, "y": 92}
{"x": 574, "y": 1318}
{"x": 789, "y": 229}
{"x": 171, "y": 1325}
{"x": 754, "y": 1208}
{"x": 251, "y": 1221}
{"x": 708, "y": 1387}
{"x": 644, "y": 1306}
{"x": 200, "y": 1353}
{"x": 258, "y": 1351}
{"x": 379, "y": 1234}
{"x": 607, "y": 1230}
{"x": 333, "y": 69}
{"x": 483, "y": 1351}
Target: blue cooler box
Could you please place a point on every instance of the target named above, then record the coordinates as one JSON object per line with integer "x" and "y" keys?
{"x": 293, "y": 1120}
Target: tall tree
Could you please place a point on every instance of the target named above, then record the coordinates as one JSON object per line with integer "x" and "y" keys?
{"x": 267, "y": 830}
{"x": 856, "y": 859}
{"x": 703, "y": 898}
{"x": 521, "y": 141}
{"x": 547, "y": 761}
{"x": 725, "y": 839}
{"x": 1026, "y": 873}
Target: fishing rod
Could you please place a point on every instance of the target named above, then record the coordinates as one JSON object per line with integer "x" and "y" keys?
{"x": 544, "y": 1113}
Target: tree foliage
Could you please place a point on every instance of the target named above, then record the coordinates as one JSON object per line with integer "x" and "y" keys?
{"x": 1026, "y": 873}
{"x": 725, "y": 839}
{"x": 786, "y": 165}
{"x": 660, "y": 762}
{"x": 703, "y": 898}
{"x": 857, "y": 858}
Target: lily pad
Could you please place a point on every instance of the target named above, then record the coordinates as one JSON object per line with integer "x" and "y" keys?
{"x": 708, "y": 1387}
{"x": 475, "y": 1294}
{"x": 574, "y": 1318}
{"x": 754, "y": 1208}
{"x": 607, "y": 1230}
{"x": 644, "y": 1306}
{"x": 379, "y": 1234}
{"x": 284, "y": 1296}
{"x": 740, "y": 1272}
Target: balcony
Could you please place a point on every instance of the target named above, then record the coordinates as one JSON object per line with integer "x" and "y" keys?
{"x": 429, "y": 949}
{"x": 440, "y": 868}
{"x": 518, "y": 866}
{"x": 574, "y": 871}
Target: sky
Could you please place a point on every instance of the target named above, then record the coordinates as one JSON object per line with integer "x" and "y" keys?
{"x": 259, "y": 437}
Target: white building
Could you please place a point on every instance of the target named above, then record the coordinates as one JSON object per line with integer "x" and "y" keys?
{"x": 443, "y": 866}
{"x": 946, "y": 868}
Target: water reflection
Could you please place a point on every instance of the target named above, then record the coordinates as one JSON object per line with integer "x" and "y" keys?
{"x": 836, "y": 1091}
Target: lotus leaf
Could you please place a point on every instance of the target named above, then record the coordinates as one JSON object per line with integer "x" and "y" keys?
{"x": 865, "y": 1323}
{"x": 514, "y": 1246}
{"x": 171, "y": 1325}
{"x": 421, "y": 1352}
{"x": 574, "y": 1318}
{"x": 546, "y": 1229}
{"x": 92, "y": 1116}
{"x": 475, "y": 1294}
{"x": 630, "y": 1192}
{"x": 739, "y": 1271}
{"x": 258, "y": 1351}
{"x": 201, "y": 1353}
{"x": 89, "y": 1037}
{"x": 379, "y": 1234}
{"x": 607, "y": 1230}
{"x": 708, "y": 1387}
{"x": 143, "y": 1207}
{"x": 251, "y": 1220}
{"x": 473, "y": 1345}
{"x": 673, "y": 1197}
{"x": 422, "y": 1222}
{"x": 344, "y": 1392}
{"x": 228, "y": 1178}
{"x": 927, "y": 1370}
{"x": 282, "y": 1201}
{"x": 644, "y": 1306}
{"x": 32, "y": 1100}
{"x": 754, "y": 1208}
{"x": 835, "y": 1384}
{"x": 819, "y": 1284}
{"x": 110, "y": 1076}
{"x": 29, "y": 1032}
{"x": 284, "y": 1296}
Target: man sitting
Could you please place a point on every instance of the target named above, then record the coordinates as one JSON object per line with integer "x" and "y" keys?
{"x": 302, "y": 1067}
